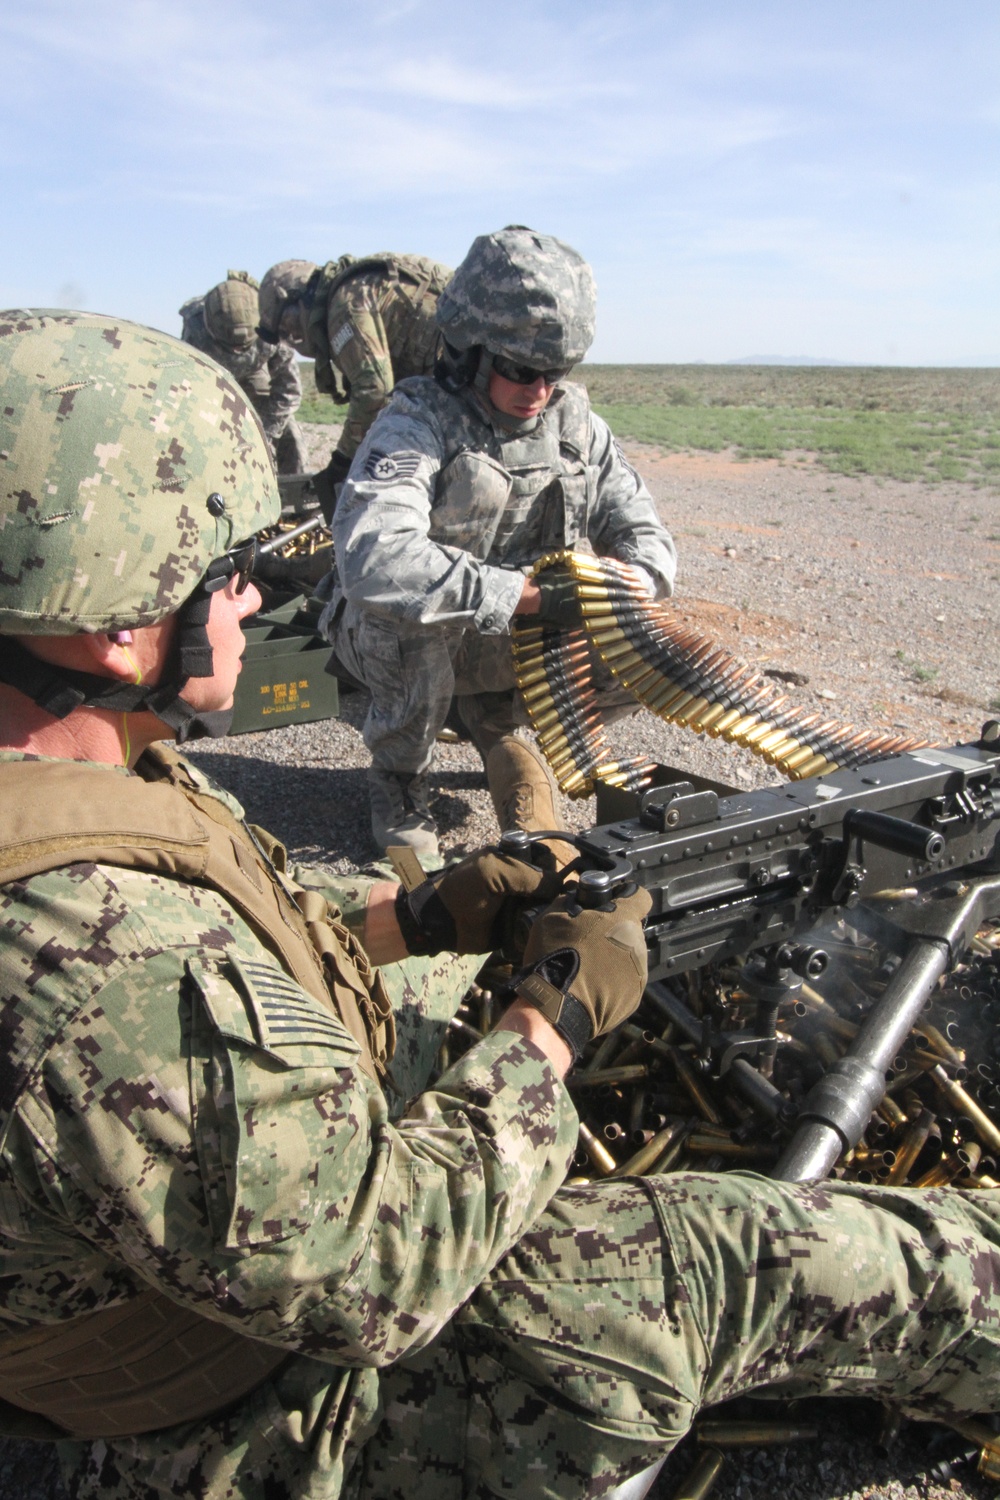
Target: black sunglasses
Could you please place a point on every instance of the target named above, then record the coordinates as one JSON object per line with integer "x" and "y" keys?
{"x": 526, "y": 374}
{"x": 239, "y": 563}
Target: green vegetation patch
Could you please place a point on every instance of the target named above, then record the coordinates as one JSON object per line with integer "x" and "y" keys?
{"x": 893, "y": 423}
{"x": 897, "y": 445}
{"x": 316, "y": 407}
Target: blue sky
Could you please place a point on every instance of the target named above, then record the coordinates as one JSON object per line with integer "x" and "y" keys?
{"x": 747, "y": 178}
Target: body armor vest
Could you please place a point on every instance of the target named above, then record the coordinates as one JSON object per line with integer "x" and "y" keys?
{"x": 522, "y": 496}
{"x": 149, "y": 1362}
{"x": 407, "y": 276}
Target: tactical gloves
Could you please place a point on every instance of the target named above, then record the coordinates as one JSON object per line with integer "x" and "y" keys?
{"x": 474, "y": 906}
{"x": 586, "y": 966}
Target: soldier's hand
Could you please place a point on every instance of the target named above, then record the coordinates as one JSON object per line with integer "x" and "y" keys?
{"x": 474, "y": 906}
{"x": 559, "y": 604}
{"x": 587, "y": 967}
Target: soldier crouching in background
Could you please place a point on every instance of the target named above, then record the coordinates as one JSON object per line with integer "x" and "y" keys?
{"x": 227, "y": 1269}
{"x": 464, "y": 482}
{"x": 367, "y": 323}
{"x": 223, "y": 324}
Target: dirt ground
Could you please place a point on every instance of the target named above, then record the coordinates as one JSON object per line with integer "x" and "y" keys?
{"x": 883, "y": 600}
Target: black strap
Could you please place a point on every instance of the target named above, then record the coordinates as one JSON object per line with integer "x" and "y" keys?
{"x": 60, "y": 690}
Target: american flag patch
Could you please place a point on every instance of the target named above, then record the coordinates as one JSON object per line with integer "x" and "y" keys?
{"x": 285, "y": 1014}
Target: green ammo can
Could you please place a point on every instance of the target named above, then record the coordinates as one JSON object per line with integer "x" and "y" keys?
{"x": 284, "y": 680}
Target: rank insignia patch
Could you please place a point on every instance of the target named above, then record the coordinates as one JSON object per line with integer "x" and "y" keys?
{"x": 385, "y": 467}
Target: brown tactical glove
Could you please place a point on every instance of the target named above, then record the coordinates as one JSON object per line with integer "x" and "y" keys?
{"x": 587, "y": 966}
{"x": 474, "y": 906}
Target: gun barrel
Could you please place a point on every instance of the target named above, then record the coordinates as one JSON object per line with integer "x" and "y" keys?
{"x": 838, "y": 1108}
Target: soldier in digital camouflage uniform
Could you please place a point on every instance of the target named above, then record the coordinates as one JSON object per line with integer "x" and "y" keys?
{"x": 367, "y": 323}
{"x": 223, "y": 324}
{"x": 464, "y": 482}
{"x": 225, "y": 1270}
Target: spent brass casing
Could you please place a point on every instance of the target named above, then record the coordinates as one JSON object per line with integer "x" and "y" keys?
{"x": 701, "y": 1480}
{"x": 647, "y": 1155}
{"x": 690, "y": 1080}
{"x": 826, "y": 1014}
{"x": 597, "y": 1151}
{"x": 754, "y": 1434}
{"x": 941, "y": 1045}
{"x": 955, "y": 1094}
{"x": 628, "y": 1073}
{"x": 701, "y": 1144}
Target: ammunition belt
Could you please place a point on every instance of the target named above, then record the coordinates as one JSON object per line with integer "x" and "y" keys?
{"x": 679, "y": 674}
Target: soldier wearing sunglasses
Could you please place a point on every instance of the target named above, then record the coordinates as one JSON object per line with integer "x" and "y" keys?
{"x": 465, "y": 480}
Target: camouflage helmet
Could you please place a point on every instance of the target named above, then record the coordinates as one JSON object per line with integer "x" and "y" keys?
{"x": 129, "y": 463}
{"x": 231, "y": 312}
{"x": 285, "y": 282}
{"x": 525, "y": 295}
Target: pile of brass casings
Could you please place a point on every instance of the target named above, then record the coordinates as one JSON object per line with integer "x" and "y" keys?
{"x": 653, "y": 1100}
{"x": 677, "y": 673}
{"x": 295, "y": 552}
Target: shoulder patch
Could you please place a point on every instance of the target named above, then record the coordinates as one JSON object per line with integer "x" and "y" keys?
{"x": 286, "y": 1015}
{"x": 384, "y": 468}
{"x": 257, "y": 1003}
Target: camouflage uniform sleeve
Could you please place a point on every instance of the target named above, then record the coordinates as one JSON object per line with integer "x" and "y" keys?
{"x": 624, "y": 522}
{"x": 387, "y": 561}
{"x": 199, "y": 1124}
{"x": 359, "y": 347}
{"x": 285, "y": 395}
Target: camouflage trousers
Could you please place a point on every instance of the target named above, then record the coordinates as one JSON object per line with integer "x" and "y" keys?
{"x": 290, "y": 454}
{"x": 413, "y": 672}
{"x": 587, "y": 1352}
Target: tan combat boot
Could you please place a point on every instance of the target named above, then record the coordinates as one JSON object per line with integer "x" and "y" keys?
{"x": 523, "y": 791}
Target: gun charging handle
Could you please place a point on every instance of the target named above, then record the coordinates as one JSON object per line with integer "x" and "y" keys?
{"x": 896, "y": 834}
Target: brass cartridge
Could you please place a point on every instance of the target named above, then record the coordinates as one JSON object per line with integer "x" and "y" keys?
{"x": 955, "y": 1094}
{"x": 597, "y": 1151}
{"x": 701, "y": 1480}
{"x": 754, "y": 1434}
{"x": 647, "y": 1156}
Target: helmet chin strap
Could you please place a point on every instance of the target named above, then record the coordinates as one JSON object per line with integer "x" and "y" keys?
{"x": 60, "y": 690}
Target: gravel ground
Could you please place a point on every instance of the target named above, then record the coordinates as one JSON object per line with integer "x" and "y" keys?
{"x": 884, "y": 599}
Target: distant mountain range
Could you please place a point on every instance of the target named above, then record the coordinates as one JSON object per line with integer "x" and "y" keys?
{"x": 786, "y": 359}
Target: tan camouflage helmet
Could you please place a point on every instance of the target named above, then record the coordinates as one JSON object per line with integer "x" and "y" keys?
{"x": 525, "y": 295}
{"x": 231, "y": 311}
{"x": 285, "y": 282}
{"x": 129, "y": 462}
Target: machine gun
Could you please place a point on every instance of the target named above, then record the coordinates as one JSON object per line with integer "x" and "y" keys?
{"x": 906, "y": 849}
